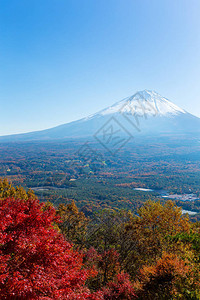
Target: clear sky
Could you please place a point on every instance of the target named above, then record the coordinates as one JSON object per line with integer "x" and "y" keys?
{"x": 61, "y": 60}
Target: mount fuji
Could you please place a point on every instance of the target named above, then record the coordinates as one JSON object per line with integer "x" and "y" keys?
{"x": 144, "y": 113}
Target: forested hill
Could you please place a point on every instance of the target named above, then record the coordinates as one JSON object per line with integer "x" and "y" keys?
{"x": 49, "y": 252}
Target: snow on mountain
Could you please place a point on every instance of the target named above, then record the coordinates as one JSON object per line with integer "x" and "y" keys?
{"x": 143, "y": 102}
{"x": 146, "y": 113}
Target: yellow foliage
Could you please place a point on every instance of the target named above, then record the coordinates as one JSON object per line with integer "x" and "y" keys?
{"x": 7, "y": 190}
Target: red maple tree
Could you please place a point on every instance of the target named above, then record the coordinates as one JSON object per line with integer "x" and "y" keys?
{"x": 36, "y": 262}
{"x": 120, "y": 288}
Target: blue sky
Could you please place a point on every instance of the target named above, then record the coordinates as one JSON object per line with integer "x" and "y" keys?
{"x": 61, "y": 60}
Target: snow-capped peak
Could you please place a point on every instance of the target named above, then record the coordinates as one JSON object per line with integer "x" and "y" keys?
{"x": 143, "y": 102}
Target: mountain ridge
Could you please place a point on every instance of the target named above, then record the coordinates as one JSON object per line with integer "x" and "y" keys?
{"x": 140, "y": 97}
{"x": 153, "y": 112}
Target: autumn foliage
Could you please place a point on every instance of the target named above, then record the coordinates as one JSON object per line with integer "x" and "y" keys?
{"x": 36, "y": 262}
{"x": 116, "y": 255}
{"x": 164, "y": 279}
{"x": 120, "y": 288}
